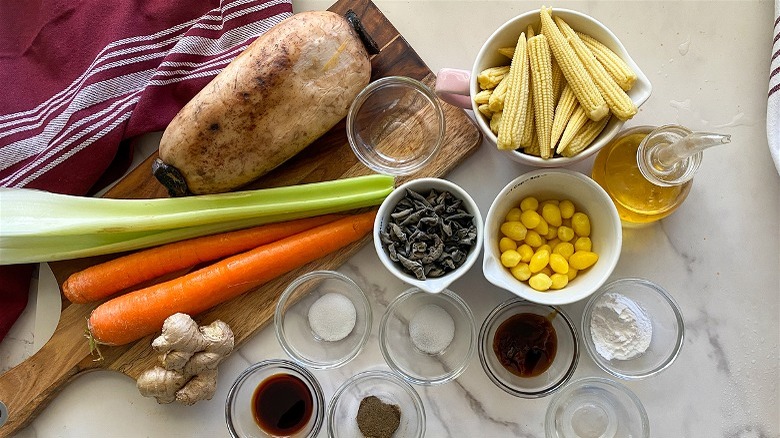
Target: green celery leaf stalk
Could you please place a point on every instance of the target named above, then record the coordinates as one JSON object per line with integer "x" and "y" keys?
{"x": 37, "y": 226}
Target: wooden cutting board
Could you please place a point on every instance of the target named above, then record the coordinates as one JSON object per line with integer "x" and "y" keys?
{"x": 26, "y": 389}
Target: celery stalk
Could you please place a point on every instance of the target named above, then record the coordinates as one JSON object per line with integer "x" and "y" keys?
{"x": 39, "y": 226}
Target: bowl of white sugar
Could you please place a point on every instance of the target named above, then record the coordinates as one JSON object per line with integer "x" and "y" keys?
{"x": 428, "y": 339}
{"x": 632, "y": 328}
{"x": 322, "y": 319}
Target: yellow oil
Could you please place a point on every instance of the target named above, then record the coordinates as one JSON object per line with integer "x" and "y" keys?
{"x": 638, "y": 201}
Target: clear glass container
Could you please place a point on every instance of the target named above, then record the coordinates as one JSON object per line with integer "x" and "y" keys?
{"x": 291, "y": 320}
{"x": 395, "y": 125}
{"x": 668, "y": 329}
{"x": 553, "y": 378}
{"x": 594, "y": 407}
{"x": 417, "y": 366}
{"x": 389, "y": 388}
{"x": 648, "y": 171}
{"x": 638, "y": 200}
{"x": 239, "y": 409}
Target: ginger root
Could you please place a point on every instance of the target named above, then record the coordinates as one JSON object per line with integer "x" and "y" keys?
{"x": 189, "y": 356}
{"x": 161, "y": 384}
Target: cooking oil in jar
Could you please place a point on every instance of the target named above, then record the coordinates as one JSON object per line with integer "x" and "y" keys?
{"x": 638, "y": 201}
{"x": 648, "y": 171}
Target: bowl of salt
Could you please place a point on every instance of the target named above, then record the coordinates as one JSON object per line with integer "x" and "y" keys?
{"x": 323, "y": 319}
{"x": 428, "y": 339}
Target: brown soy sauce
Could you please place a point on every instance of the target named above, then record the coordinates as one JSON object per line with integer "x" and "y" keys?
{"x": 525, "y": 344}
{"x": 282, "y": 404}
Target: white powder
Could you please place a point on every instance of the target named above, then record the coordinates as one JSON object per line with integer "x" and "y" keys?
{"x": 620, "y": 327}
{"x": 332, "y": 317}
{"x": 431, "y": 329}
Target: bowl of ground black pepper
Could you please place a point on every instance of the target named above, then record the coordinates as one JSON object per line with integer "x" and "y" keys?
{"x": 528, "y": 350}
{"x": 377, "y": 404}
{"x": 428, "y": 233}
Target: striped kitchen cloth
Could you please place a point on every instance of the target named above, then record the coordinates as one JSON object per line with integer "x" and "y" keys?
{"x": 773, "y": 105}
{"x": 82, "y": 78}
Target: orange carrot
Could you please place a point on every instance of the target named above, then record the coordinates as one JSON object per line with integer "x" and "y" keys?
{"x": 130, "y": 317}
{"x": 105, "y": 279}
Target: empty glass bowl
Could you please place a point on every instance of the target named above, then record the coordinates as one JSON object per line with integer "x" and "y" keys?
{"x": 389, "y": 388}
{"x": 411, "y": 334}
{"x": 563, "y": 364}
{"x": 395, "y": 125}
{"x": 239, "y": 407}
{"x": 595, "y": 407}
{"x": 667, "y": 329}
{"x": 292, "y": 323}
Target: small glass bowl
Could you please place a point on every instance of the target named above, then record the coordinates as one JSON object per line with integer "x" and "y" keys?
{"x": 596, "y": 407}
{"x": 560, "y": 371}
{"x": 388, "y": 387}
{"x": 666, "y": 320}
{"x": 291, "y": 320}
{"x": 424, "y": 186}
{"x": 395, "y": 125}
{"x": 239, "y": 414}
{"x": 413, "y": 364}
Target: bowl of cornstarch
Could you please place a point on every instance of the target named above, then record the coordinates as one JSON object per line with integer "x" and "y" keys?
{"x": 632, "y": 328}
{"x": 323, "y": 319}
{"x": 428, "y": 339}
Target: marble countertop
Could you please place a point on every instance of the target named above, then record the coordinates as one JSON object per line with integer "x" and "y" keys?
{"x": 718, "y": 255}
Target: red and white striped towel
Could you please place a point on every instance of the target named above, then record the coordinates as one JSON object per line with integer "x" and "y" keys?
{"x": 773, "y": 105}
{"x": 80, "y": 79}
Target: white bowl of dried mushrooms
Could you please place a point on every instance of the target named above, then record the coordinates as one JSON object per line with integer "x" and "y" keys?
{"x": 428, "y": 233}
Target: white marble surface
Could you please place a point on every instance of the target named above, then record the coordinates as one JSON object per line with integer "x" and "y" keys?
{"x": 718, "y": 255}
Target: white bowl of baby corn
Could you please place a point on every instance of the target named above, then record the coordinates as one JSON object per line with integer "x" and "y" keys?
{"x": 580, "y": 147}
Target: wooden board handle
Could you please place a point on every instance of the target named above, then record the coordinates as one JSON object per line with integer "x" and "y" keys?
{"x": 29, "y": 387}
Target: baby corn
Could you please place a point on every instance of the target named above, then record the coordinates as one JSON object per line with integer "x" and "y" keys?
{"x": 533, "y": 148}
{"x": 496, "y": 101}
{"x": 585, "y": 137}
{"x": 563, "y": 111}
{"x": 509, "y": 52}
{"x": 619, "y": 103}
{"x": 528, "y": 130}
{"x": 490, "y": 77}
{"x": 541, "y": 85}
{"x": 582, "y": 84}
{"x": 495, "y": 121}
{"x": 573, "y": 126}
{"x": 515, "y": 105}
{"x": 615, "y": 66}
{"x": 483, "y": 97}
{"x": 557, "y": 80}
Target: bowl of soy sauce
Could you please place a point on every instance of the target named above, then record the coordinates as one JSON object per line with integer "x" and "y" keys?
{"x": 275, "y": 398}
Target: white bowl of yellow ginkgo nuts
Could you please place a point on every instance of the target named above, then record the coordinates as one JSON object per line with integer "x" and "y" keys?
{"x": 552, "y": 236}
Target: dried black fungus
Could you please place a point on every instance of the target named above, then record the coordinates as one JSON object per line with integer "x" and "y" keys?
{"x": 429, "y": 236}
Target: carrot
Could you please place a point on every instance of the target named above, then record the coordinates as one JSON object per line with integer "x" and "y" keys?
{"x": 131, "y": 316}
{"x": 103, "y": 280}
